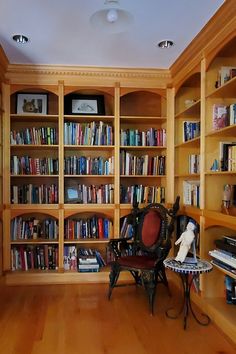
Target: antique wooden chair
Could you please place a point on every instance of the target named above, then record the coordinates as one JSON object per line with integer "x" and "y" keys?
{"x": 149, "y": 246}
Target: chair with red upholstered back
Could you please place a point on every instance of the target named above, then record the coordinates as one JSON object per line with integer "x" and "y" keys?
{"x": 143, "y": 256}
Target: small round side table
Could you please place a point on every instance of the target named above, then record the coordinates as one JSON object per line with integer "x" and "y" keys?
{"x": 188, "y": 272}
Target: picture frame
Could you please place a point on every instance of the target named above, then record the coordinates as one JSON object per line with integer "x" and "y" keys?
{"x": 32, "y": 103}
{"x": 84, "y": 105}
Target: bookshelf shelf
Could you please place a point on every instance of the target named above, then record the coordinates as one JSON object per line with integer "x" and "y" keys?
{"x": 191, "y": 111}
{"x": 190, "y": 143}
{"x": 224, "y": 271}
{"x": 226, "y": 90}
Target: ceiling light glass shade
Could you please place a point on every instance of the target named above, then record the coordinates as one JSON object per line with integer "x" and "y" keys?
{"x": 112, "y": 15}
{"x": 111, "y": 20}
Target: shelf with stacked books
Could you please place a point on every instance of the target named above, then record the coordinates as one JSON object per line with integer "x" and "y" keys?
{"x": 222, "y": 255}
{"x": 34, "y": 167}
{"x": 34, "y": 242}
{"x": 187, "y": 140}
{"x": 220, "y": 128}
{"x": 142, "y": 147}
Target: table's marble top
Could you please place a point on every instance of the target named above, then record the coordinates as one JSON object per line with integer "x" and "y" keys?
{"x": 201, "y": 266}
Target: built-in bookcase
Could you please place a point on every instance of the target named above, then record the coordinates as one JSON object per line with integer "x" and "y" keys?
{"x": 143, "y": 141}
{"x": 213, "y": 105}
{"x": 187, "y": 140}
{"x": 83, "y": 170}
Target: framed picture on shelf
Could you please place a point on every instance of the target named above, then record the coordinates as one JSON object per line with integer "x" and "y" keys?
{"x": 31, "y": 103}
{"x": 85, "y": 104}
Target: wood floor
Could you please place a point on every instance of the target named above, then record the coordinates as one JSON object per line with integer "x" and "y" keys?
{"x": 68, "y": 319}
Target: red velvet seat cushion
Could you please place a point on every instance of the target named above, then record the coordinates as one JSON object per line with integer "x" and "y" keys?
{"x": 139, "y": 262}
{"x": 151, "y": 228}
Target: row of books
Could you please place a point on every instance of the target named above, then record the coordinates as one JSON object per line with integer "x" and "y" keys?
{"x": 48, "y": 194}
{"x": 191, "y": 130}
{"x": 26, "y": 165}
{"x": 30, "y": 257}
{"x": 34, "y": 136}
{"x": 127, "y": 229}
{"x": 225, "y": 74}
{"x": 142, "y": 194}
{"x": 223, "y": 115}
{"x": 227, "y": 155}
{"x": 81, "y": 165}
{"x": 141, "y": 165}
{"x": 191, "y": 193}
{"x": 95, "y": 194}
{"x": 82, "y": 259}
{"x": 224, "y": 256}
{"x": 33, "y": 194}
{"x": 193, "y": 163}
{"x": 86, "y": 228}
{"x": 93, "y": 133}
{"x": 135, "y": 137}
{"x": 33, "y": 229}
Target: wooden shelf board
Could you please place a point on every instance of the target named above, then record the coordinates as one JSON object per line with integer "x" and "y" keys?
{"x": 230, "y": 130}
{"x": 125, "y": 147}
{"x": 89, "y": 147}
{"x": 188, "y": 175}
{"x": 224, "y": 271}
{"x": 188, "y": 112}
{"x": 190, "y": 143}
{"x": 65, "y": 277}
{"x": 142, "y": 119}
{"x": 34, "y": 206}
{"x": 33, "y": 242}
{"x": 34, "y": 146}
{"x": 34, "y": 117}
{"x": 216, "y": 218}
{"x": 142, "y": 176}
{"x": 88, "y": 176}
{"x": 34, "y": 176}
{"x": 220, "y": 173}
{"x": 226, "y": 90}
{"x": 87, "y": 241}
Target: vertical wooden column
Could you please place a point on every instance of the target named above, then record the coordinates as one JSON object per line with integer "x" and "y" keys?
{"x": 61, "y": 171}
{"x": 117, "y": 160}
{"x": 202, "y": 133}
{"x": 6, "y": 176}
{"x": 170, "y": 160}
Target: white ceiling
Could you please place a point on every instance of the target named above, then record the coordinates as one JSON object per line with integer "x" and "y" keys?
{"x": 61, "y": 33}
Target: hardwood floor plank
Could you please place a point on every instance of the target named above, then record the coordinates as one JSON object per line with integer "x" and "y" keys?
{"x": 72, "y": 319}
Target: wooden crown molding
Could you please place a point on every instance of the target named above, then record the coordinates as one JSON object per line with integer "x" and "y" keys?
{"x": 18, "y": 73}
{"x": 211, "y": 35}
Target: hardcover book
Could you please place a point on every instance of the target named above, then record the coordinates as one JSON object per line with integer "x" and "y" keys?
{"x": 220, "y": 116}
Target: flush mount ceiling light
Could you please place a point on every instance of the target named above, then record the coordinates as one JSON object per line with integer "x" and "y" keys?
{"x": 165, "y": 44}
{"x": 111, "y": 19}
{"x": 20, "y": 38}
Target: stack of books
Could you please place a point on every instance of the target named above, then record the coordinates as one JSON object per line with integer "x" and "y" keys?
{"x": 224, "y": 256}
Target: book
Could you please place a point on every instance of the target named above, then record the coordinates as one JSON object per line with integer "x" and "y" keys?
{"x": 219, "y": 116}
{"x": 226, "y": 73}
{"x": 230, "y": 290}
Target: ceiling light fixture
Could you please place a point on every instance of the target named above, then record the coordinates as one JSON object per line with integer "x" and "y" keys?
{"x": 20, "y": 38}
{"x": 111, "y": 19}
{"x": 166, "y": 44}
{"x": 112, "y": 15}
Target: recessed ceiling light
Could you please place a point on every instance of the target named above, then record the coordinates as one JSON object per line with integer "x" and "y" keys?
{"x": 20, "y": 38}
{"x": 166, "y": 44}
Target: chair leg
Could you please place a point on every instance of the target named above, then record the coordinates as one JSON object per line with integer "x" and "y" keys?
{"x": 113, "y": 276}
{"x": 149, "y": 281}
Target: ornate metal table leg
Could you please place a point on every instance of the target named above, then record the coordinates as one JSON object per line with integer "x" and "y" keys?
{"x": 186, "y": 306}
{"x": 207, "y": 318}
